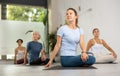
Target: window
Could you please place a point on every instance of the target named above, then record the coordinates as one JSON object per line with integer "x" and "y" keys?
{"x": 19, "y": 14}
{"x": 26, "y": 13}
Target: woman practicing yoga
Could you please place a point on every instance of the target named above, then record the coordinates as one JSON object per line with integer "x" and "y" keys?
{"x": 19, "y": 53}
{"x": 68, "y": 37}
{"x": 34, "y": 48}
{"x": 96, "y": 46}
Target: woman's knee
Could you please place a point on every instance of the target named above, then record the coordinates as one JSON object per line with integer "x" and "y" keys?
{"x": 90, "y": 53}
{"x": 91, "y": 60}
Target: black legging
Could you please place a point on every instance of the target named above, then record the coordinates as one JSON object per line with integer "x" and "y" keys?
{"x": 21, "y": 61}
{"x": 39, "y": 62}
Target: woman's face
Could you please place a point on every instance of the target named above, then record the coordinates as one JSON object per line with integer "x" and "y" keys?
{"x": 19, "y": 42}
{"x": 96, "y": 33}
{"x": 36, "y": 36}
{"x": 70, "y": 16}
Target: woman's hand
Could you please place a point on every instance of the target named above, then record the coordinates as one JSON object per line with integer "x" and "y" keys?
{"x": 48, "y": 65}
{"x": 84, "y": 57}
{"x": 114, "y": 54}
{"x": 43, "y": 57}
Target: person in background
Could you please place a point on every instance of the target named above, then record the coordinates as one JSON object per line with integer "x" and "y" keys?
{"x": 36, "y": 53}
{"x": 19, "y": 53}
{"x": 97, "y": 45}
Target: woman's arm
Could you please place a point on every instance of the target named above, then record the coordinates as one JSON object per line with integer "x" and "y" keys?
{"x": 89, "y": 45}
{"x": 84, "y": 56}
{"x": 43, "y": 56}
{"x": 25, "y": 56}
{"x": 15, "y": 56}
{"x": 55, "y": 51}
{"x": 82, "y": 43}
{"x": 109, "y": 48}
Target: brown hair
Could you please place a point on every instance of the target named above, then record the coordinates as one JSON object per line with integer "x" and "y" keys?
{"x": 95, "y": 29}
{"x": 19, "y": 40}
{"x": 75, "y": 14}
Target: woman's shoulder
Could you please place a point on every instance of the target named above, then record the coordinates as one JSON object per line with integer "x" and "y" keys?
{"x": 16, "y": 49}
{"x": 91, "y": 41}
{"x": 63, "y": 26}
{"x": 102, "y": 41}
{"x": 23, "y": 47}
{"x": 40, "y": 43}
{"x": 81, "y": 30}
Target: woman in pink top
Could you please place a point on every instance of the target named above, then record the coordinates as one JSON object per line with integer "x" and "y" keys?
{"x": 19, "y": 53}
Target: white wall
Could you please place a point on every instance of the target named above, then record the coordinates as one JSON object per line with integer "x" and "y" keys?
{"x": 10, "y": 31}
{"x": 105, "y": 15}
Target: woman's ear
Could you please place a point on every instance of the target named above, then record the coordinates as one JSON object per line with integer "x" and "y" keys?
{"x": 76, "y": 17}
{"x": 39, "y": 37}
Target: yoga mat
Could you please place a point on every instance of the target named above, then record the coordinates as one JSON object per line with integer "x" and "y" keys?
{"x": 59, "y": 67}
